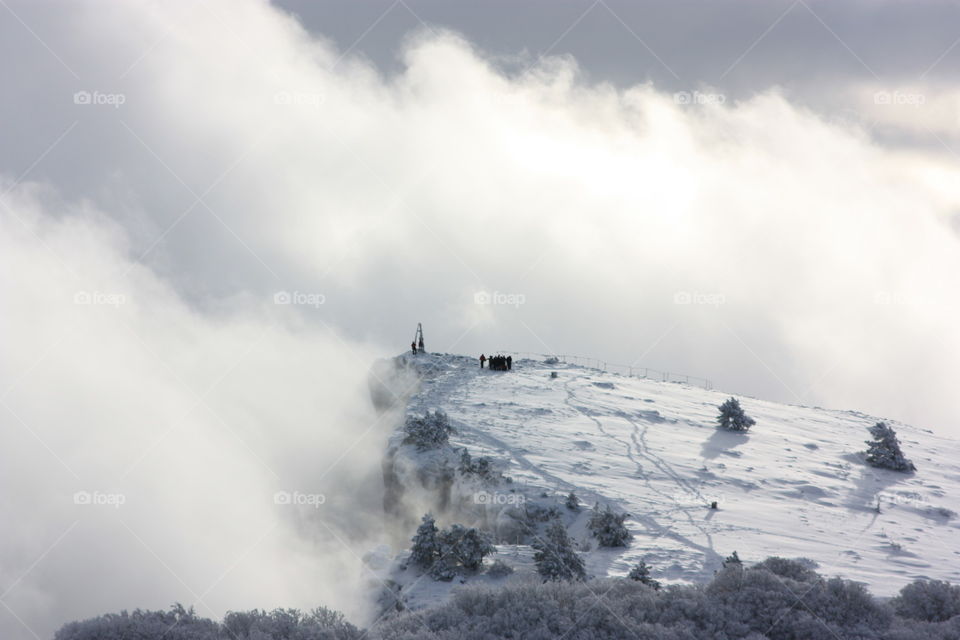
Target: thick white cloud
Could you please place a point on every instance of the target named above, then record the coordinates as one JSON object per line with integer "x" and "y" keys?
{"x": 398, "y": 198}
{"x": 177, "y": 429}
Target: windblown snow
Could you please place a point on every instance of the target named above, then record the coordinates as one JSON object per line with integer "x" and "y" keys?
{"x": 795, "y": 485}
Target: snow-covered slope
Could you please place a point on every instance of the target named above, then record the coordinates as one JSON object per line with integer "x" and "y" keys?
{"x": 794, "y": 486}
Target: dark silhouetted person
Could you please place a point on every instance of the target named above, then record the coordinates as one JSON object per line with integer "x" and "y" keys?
{"x": 413, "y": 347}
{"x": 509, "y": 363}
{"x": 483, "y": 359}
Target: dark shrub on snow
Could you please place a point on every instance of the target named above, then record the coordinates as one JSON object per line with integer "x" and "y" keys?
{"x": 884, "y": 450}
{"x": 432, "y": 431}
{"x": 608, "y": 528}
{"x": 733, "y": 418}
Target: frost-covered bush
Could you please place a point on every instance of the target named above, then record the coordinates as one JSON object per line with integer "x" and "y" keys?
{"x": 445, "y": 552}
{"x": 608, "y": 528}
{"x": 555, "y": 557}
{"x": 884, "y": 450}
{"x": 539, "y": 513}
{"x": 176, "y": 624}
{"x": 572, "y": 502}
{"x": 782, "y": 608}
{"x": 288, "y": 624}
{"x": 425, "y": 548}
{"x": 429, "y": 432}
{"x": 499, "y": 569}
{"x": 182, "y": 624}
{"x": 466, "y": 546}
{"x": 641, "y": 573}
{"x": 733, "y": 418}
{"x": 482, "y": 467}
{"x": 747, "y": 604}
{"x": 799, "y": 569}
{"x": 928, "y": 600}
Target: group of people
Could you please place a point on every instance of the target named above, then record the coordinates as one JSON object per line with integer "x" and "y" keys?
{"x": 497, "y": 363}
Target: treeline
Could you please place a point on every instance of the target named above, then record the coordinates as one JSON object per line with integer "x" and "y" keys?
{"x": 777, "y": 599}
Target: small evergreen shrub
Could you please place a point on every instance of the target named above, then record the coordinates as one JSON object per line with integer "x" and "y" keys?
{"x": 884, "y": 450}
{"x": 425, "y": 548}
{"x": 608, "y": 528}
{"x": 641, "y": 573}
{"x": 555, "y": 557}
{"x": 482, "y": 467}
{"x": 572, "y": 502}
{"x": 466, "y": 546}
{"x": 445, "y": 552}
{"x": 432, "y": 431}
{"x": 733, "y": 418}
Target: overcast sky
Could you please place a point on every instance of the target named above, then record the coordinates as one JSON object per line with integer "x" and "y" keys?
{"x": 216, "y": 214}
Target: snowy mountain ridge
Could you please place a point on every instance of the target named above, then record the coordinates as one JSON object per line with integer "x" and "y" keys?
{"x": 795, "y": 485}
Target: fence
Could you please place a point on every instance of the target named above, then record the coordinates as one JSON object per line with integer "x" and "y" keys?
{"x": 622, "y": 369}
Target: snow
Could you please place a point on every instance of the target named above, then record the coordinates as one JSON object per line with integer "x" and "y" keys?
{"x": 795, "y": 485}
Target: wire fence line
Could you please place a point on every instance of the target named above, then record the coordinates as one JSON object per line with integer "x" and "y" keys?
{"x": 612, "y": 367}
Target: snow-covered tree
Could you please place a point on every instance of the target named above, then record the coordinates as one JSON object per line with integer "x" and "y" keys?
{"x": 572, "y": 502}
{"x": 641, "y": 573}
{"x": 884, "y": 450}
{"x": 465, "y": 546}
{"x": 555, "y": 557}
{"x": 444, "y": 552}
{"x": 608, "y": 528}
{"x": 426, "y": 548}
{"x": 928, "y": 600}
{"x": 429, "y": 432}
{"x": 733, "y": 418}
{"x": 481, "y": 467}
